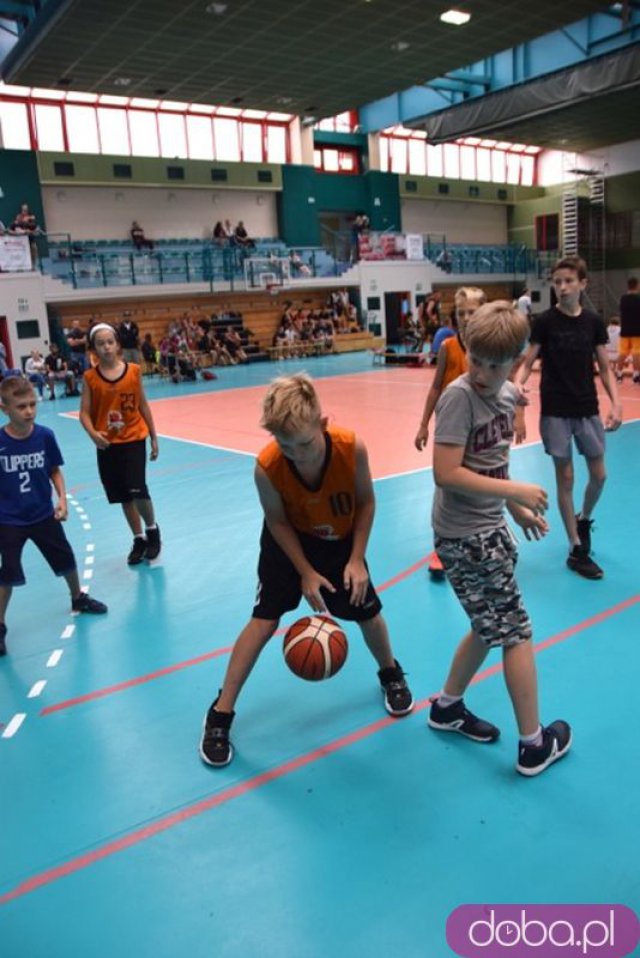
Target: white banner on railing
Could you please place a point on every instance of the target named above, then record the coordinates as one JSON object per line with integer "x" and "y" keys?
{"x": 414, "y": 246}
{"x": 15, "y": 255}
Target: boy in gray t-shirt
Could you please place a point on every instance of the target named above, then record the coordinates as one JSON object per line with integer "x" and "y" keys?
{"x": 474, "y": 429}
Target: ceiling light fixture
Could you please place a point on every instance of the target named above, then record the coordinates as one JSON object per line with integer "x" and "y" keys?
{"x": 399, "y": 46}
{"x": 122, "y": 81}
{"x": 456, "y": 17}
{"x": 216, "y": 8}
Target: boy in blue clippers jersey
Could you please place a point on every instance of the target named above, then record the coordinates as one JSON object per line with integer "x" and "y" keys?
{"x": 30, "y": 462}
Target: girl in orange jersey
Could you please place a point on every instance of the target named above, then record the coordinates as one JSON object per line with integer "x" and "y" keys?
{"x": 115, "y": 412}
{"x": 317, "y": 496}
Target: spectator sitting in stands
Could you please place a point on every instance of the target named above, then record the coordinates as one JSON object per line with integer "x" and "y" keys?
{"x": 242, "y": 238}
{"x": 36, "y": 371}
{"x": 233, "y": 342}
{"x": 220, "y": 236}
{"x": 138, "y": 238}
{"x": 297, "y": 267}
{"x": 25, "y": 222}
{"x": 224, "y": 356}
{"x": 57, "y": 371}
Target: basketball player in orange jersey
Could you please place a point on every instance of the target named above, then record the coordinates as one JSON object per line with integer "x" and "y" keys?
{"x": 316, "y": 492}
{"x": 115, "y": 412}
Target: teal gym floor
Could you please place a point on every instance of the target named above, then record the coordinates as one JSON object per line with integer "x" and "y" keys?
{"x": 337, "y": 832}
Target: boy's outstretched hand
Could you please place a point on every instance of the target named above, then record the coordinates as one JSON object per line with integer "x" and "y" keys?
{"x": 531, "y": 497}
{"x": 534, "y": 526}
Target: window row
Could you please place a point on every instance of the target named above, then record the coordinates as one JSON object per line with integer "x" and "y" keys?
{"x": 137, "y": 132}
{"x": 458, "y": 161}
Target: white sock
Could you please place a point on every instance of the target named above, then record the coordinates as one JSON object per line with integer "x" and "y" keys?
{"x": 444, "y": 700}
{"x": 535, "y": 739}
{"x": 154, "y": 526}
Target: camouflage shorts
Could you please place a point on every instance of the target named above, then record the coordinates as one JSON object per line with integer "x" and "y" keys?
{"x": 480, "y": 569}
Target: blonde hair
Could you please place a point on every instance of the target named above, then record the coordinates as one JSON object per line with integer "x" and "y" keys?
{"x": 497, "y": 332}
{"x": 291, "y": 404}
{"x": 464, "y": 293}
{"x": 13, "y": 387}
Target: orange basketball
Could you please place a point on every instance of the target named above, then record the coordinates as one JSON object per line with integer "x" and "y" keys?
{"x": 315, "y": 648}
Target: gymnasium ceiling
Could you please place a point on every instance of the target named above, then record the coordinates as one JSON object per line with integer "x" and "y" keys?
{"x": 307, "y": 57}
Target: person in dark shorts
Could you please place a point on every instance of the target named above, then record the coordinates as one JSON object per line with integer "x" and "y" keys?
{"x": 115, "y": 412}
{"x": 316, "y": 492}
{"x": 30, "y": 461}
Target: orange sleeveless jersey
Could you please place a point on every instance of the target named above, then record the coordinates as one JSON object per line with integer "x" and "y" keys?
{"x": 329, "y": 511}
{"x": 117, "y": 402}
{"x": 456, "y": 360}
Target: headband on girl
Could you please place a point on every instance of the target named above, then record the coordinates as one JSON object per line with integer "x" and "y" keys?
{"x": 100, "y": 326}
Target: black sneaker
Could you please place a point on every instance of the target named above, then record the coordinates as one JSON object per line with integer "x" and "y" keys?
{"x": 580, "y": 561}
{"x": 584, "y": 527}
{"x": 556, "y": 742}
{"x": 154, "y": 543}
{"x": 458, "y": 718}
{"x": 138, "y": 551}
{"x": 3, "y": 635}
{"x": 215, "y": 746}
{"x": 398, "y": 699}
{"x": 84, "y": 603}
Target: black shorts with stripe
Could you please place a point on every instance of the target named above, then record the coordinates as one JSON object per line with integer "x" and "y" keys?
{"x": 123, "y": 467}
{"x": 279, "y": 588}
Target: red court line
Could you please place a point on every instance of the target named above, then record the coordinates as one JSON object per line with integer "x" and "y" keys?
{"x": 257, "y": 781}
{"x": 169, "y": 669}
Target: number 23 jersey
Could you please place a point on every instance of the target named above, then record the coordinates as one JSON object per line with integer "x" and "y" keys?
{"x": 326, "y": 510}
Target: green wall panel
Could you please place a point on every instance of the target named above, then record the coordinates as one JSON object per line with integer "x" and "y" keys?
{"x": 92, "y": 170}
{"x": 20, "y": 184}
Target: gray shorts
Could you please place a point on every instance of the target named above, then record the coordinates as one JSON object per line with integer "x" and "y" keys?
{"x": 557, "y": 433}
{"x": 480, "y": 569}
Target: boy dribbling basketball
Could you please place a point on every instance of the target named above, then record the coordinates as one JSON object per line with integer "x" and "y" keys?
{"x": 317, "y": 495}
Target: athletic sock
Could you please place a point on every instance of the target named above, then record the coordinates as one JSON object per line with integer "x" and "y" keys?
{"x": 535, "y": 739}
{"x": 444, "y": 700}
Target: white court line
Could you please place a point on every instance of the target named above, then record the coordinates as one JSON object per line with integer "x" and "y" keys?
{"x": 90, "y": 547}
{"x": 208, "y": 445}
{"x": 67, "y": 632}
{"x": 54, "y": 658}
{"x": 14, "y": 724}
{"x": 36, "y": 689}
{"x": 87, "y": 574}
{"x": 86, "y": 525}
{"x": 89, "y": 560}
